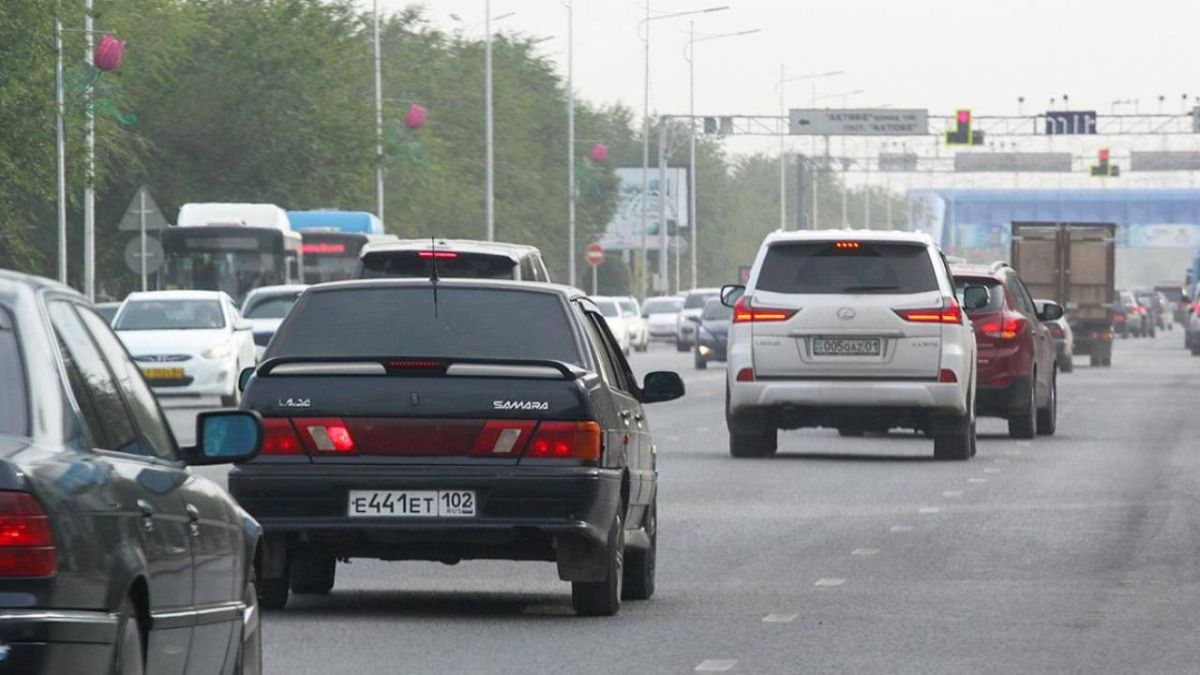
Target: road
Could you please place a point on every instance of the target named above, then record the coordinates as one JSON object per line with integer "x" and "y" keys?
{"x": 1074, "y": 554}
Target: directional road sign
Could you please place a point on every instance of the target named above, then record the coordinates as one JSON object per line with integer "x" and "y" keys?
{"x": 858, "y": 122}
{"x": 1071, "y": 123}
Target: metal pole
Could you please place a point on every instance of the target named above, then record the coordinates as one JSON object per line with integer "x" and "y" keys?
{"x": 816, "y": 182}
{"x": 89, "y": 190}
{"x": 142, "y": 230}
{"x": 595, "y": 283}
{"x": 692, "y": 219}
{"x": 643, "y": 278}
{"x": 664, "y": 255}
{"x": 491, "y": 143}
{"x": 782, "y": 157}
{"x": 572, "y": 254}
{"x": 845, "y": 192}
{"x": 379, "y": 196}
{"x": 867, "y": 193}
{"x": 60, "y": 143}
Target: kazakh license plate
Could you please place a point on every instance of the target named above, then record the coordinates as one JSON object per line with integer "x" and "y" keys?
{"x": 163, "y": 373}
{"x": 412, "y": 503}
{"x": 847, "y": 346}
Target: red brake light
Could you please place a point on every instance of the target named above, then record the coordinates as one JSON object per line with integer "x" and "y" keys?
{"x": 279, "y": 438}
{"x": 1196, "y": 308}
{"x": 325, "y": 435}
{"x": 503, "y": 438}
{"x": 565, "y": 440}
{"x": 951, "y": 314}
{"x": 947, "y": 376}
{"x": 26, "y": 540}
{"x": 745, "y": 375}
{"x": 437, "y": 254}
{"x": 1007, "y": 328}
{"x": 1057, "y": 331}
{"x": 847, "y": 245}
{"x": 744, "y": 313}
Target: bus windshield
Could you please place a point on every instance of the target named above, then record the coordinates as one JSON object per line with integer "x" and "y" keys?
{"x": 235, "y": 261}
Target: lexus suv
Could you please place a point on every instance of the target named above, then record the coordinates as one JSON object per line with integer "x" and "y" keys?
{"x": 1018, "y": 360}
{"x": 396, "y": 429}
{"x": 858, "y": 331}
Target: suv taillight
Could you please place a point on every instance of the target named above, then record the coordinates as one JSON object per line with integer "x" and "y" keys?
{"x": 565, "y": 440}
{"x": 946, "y": 314}
{"x": 744, "y": 313}
{"x": 26, "y": 540}
{"x": 1006, "y": 328}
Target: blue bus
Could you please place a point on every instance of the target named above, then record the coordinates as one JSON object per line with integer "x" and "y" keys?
{"x": 333, "y": 241}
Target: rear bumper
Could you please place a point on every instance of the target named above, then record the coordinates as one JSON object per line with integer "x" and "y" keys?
{"x": 48, "y": 642}
{"x": 833, "y": 403}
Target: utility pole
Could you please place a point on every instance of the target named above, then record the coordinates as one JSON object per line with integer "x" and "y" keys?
{"x": 89, "y": 190}
{"x": 692, "y": 219}
{"x": 60, "y": 142}
{"x": 643, "y": 258}
{"x": 572, "y": 253}
{"x": 379, "y": 197}
{"x": 782, "y": 152}
{"x": 664, "y": 254}
{"x": 490, "y": 206}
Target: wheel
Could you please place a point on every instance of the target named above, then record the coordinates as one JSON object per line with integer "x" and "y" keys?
{"x": 1195, "y": 347}
{"x": 250, "y": 655}
{"x": 852, "y": 432}
{"x": 701, "y": 362}
{"x": 312, "y": 573}
{"x": 1094, "y": 360}
{"x": 603, "y": 598}
{"x": 680, "y": 345}
{"x": 1106, "y": 361}
{"x": 232, "y": 400}
{"x": 1067, "y": 365}
{"x": 639, "y": 565}
{"x": 273, "y": 593}
{"x": 1047, "y": 418}
{"x": 129, "y": 655}
{"x": 762, "y": 444}
{"x": 958, "y": 445}
{"x": 1024, "y": 423}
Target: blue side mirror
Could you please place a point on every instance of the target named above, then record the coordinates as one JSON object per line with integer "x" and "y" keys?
{"x": 226, "y": 437}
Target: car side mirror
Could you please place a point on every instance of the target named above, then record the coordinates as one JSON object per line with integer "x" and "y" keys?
{"x": 976, "y": 297}
{"x": 662, "y": 385}
{"x": 244, "y": 378}
{"x": 225, "y": 437}
{"x": 645, "y": 315}
{"x": 731, "y": 293}
{"x": 1051, "y": 311}
{"x": 694, "y": 319}
{"x": 242, "y": 325}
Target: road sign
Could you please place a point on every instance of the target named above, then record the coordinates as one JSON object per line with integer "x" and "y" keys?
{"x": 1010, "y": 162}
{"x": 858, "y": 122}
{"x": 133, "y": 255}
{"x": 1180, "y": 160}
{"x": 897, "y": 161}
{"x": 1071, "y": 123}
{"x": 594, "y": 254}
{"x": 132, "y": 220}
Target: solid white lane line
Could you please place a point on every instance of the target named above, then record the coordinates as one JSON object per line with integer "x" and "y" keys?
{"x": 952, "y": 494}
{"x": 901, "y": 528}
{"x": 976, "y": 480}
{"x": 829, "y": 583}
{"x": 780, "y": 618}
{"x": 929, "y": 509}
{"x": 715, "y": 665}
{"x": 864, "y": 552}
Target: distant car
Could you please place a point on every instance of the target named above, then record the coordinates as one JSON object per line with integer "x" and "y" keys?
{"x": 455, "y": 258}
{"x": 1191, "y": 327}
{"x": 265, "y": 308}
{"x": 187, "y": 343}
{"x": 1064, "y": 337}
{"x": 107, "y": 310}
{"x": 712, "y": 339}
{"x": 1130, "y": 317}
{"x": 1162, "y": 316}
{"x": 426, "y": 438}
{"x": 639, "y": 329}
{"x": 693, "y": 305}
{"x": 1177, "y": 299}
{"x": 617, "y": 320}
{"x": 115, "y": 556}
{"x": 661, "y": 315}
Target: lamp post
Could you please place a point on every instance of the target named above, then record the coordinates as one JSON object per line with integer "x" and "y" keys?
{"x": 783, "y": 129}
{"x": 643, "y": 277}
{"x": 689, "y": 54}
{"x": 378, "y": 118}
{"x": 89, "y": 187}
{"x": 489, "y": 126}
{"x": 571, "y": 252}
{"x": 60, "y": 142}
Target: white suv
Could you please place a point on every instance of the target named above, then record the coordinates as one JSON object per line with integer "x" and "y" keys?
{"x": 855, "y": 330}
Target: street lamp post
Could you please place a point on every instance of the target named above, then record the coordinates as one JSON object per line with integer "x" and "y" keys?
{"x": 489, "y": 127}
{"x": 89, "y": 189}
{"x": 60, "y": 142}
{"x": 571, "y": 252}
{"x": 378, "y": 118}
{"x": 783, "y": 129}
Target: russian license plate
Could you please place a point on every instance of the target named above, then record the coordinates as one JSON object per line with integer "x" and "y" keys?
{"x": 847, "y": 346}
{"x": 163, "y": 373}
{"x": 412, "y": 503}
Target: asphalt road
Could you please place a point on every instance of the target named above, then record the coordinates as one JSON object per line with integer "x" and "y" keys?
{"x": 1073, "y": 554}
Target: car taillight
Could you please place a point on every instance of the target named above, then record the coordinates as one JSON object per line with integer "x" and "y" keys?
{"x": 1007, "y": 328}
{"x": 1057, "y": 331}
{"x": 745, "y": 375}
{"x": 279, "y": 438}
{"x": 744, "y": 313}
{"x": 26, "y": 540}
{"x": 947, "y": 376}
{"x": 565, "y": 440}
{"x": 948, "y": 314}
{"x": 1196, "y": 308}
{"x": 325, "y": 435}
{"x": 503, "y": 438}
{"x": 1119, "y": 318}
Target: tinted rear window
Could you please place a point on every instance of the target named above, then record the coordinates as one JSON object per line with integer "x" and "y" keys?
{"x": 410, "y": 265}
{"x": 272, "y": 307}
{"x": 14, "y": 408}
{"x": 824, "y": 267}
{"x": 995, "y": 302}
{"x": 715, "y": 311}
{"x": 663, "y": 305}
{"x": 469, "y": 323}
{"x": 697, "y": 300}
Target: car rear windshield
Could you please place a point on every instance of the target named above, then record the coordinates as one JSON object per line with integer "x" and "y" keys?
{"x": 14, "y": 408}
{"x": 450, "y": 265}
{"x": 171, "y": 315}
{"x": 464, "y": 323}
{"x": 715, "y": 311}
{"x": 995, "y": 302}
{"x": 663, "y": 305}
{"x": 608, "y": 308}
{"x": 847, "y": 267}
{"x": 272, "y": 307}
{"x": 697, "y": 300}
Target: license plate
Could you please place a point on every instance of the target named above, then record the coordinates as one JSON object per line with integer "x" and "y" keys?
{"x": 163, "y": 373}
{"x": 847, "y": 346}
{"x": 412, "y": 503}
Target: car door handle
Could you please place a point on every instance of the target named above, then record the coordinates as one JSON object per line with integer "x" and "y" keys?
{"x": 147, "y": 511}
{"x": 193, "y": 514}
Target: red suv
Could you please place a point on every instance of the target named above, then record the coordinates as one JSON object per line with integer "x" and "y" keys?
{"x": 1017, "y": 358}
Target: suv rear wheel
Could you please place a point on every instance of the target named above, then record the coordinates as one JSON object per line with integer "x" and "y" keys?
{"x": 762, "y": 444}
{"x": 1047, "y": 418}
{"x": 958, "y": 444}
{"x": 1023, "y": 424}
{"x": 312, "y": 573}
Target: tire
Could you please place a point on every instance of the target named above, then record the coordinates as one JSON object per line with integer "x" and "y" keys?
{"x": 957, "y": 446}
{"x": 1095, "y": 361}
{"x": 852, "y": 432}
{"x": 681, "y": 346}
{"x": 249, "y": 661}
{"x": 1047, "y": 418}
{"x": 603, "y": 598}
{"x": 273, "y": 593}
{"x": 639, "y": 565}
{"x": 1195, "y": 347}
{"x": 700, "y": 361}
{"x": 1106, "y": 362}
{"x": 312, "y": 573}
{"x": 1024, "y": 423}
{"x": 1067, "y": 365}
{"x": 129, "y": 654}
{"x": 762, "y": 444}
{"x": 232, "y": 400}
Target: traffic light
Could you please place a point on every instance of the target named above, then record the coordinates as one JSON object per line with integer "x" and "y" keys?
{"x": 1104, "y": 168}
{"x": 962, "y": 133}
{"x": 710, "y": 125}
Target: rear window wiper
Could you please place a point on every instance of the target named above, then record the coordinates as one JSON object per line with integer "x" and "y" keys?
{"x": 880, "y": 287}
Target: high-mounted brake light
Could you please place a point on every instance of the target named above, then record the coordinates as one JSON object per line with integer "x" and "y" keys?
{"x": 950, "y": 314}
{"x": 279, "y": 438}
{"x": 565, "y": 440}
{"x": 411, "y": 364}
{"x": 26, "y": 540}
{"x": 325, "y": 435}
{"x": 848, "y": 245}
{"x": 744, "y": 313}
{"x": 436, "y": 254}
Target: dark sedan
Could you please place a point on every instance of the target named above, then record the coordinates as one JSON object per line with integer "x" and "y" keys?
{"x": 712, "y": 338}
{"x": 114, "y": 556}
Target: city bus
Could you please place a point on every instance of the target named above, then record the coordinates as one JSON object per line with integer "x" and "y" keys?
{"x": 333, "y": 241}
{"x": 231, "y": 247}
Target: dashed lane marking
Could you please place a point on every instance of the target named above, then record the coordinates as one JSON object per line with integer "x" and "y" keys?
{"x": 716, "y": 665}
{"x": 901, "y": 528}
{"x": 779, "y": 618}
{"x": 829, "y": 583}
{"x": 991, "y": 470}
{"x": 976, "y": 480}
{"x": 952, "y": 494}
{"x": 864, "y": 552}
{"x": 929, "y": 509}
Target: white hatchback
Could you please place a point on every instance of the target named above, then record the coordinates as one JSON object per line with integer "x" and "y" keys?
{"x": 854, "y": 330}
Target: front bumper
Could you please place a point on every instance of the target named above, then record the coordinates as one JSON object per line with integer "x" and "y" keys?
{"x": 202, "y": 377}
{"x": 49, "y": 642}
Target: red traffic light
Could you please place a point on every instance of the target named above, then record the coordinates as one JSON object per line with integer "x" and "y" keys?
{"x": 1104, "y": 155}
{"x": 964, "y": 116}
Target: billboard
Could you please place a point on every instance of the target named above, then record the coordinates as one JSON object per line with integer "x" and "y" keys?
{"x": 624, "y": 232}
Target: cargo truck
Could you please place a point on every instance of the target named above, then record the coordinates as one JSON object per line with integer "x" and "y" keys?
{"x": 1073, "y": 264}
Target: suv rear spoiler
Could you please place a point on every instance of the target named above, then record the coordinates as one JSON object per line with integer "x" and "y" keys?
{"x": 546, "y": 369}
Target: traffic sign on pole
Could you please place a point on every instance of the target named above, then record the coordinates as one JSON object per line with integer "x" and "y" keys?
{"x": 1071, "y": 122}
{"x": 858, "y": 122}
{"x": 594, "y": 254}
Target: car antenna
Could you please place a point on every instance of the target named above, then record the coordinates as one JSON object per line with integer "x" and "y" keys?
{"x": 433, "y": 273}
